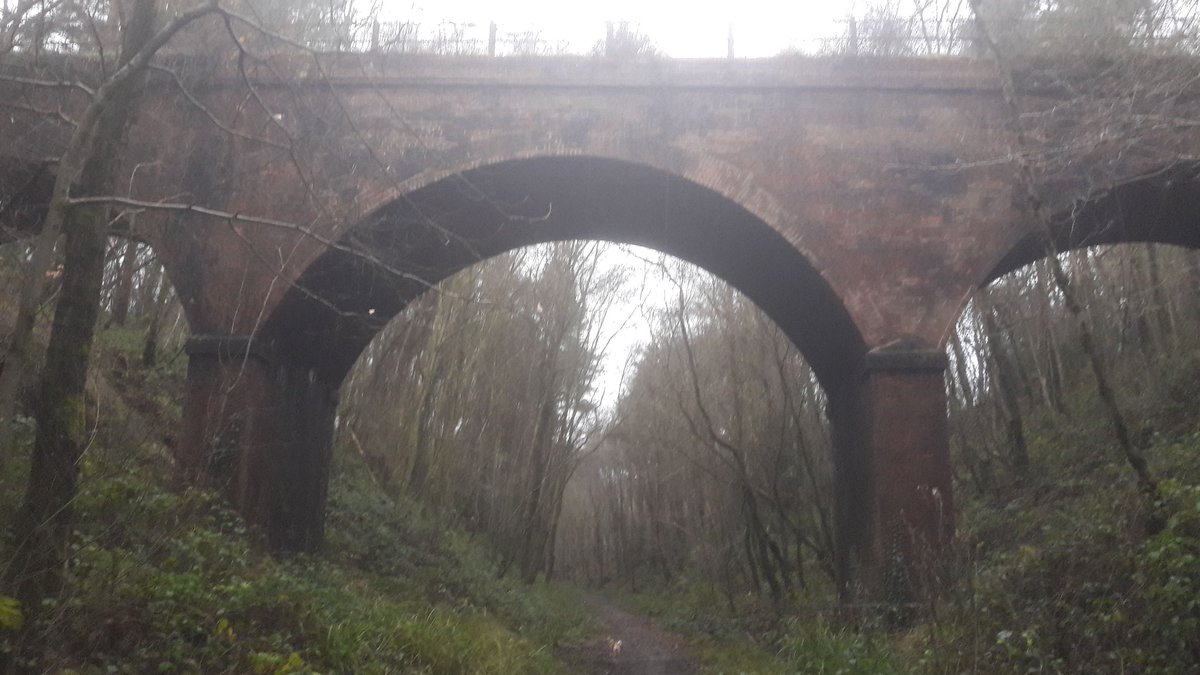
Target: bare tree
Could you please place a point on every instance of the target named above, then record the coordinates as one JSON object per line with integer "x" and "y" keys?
{"x": 719, "y": 463}
{"x": 42, "y": 527}
{"x": 1027, "y": 176}
{"x": 493, "y": 382}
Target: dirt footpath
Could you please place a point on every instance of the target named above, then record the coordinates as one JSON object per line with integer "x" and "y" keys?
{"x": 633, "y": 646}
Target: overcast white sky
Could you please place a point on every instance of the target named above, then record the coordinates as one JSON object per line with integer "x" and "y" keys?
{"x": 679, "y": 28}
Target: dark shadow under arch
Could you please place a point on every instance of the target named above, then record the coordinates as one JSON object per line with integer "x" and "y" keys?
{"x": 346, "y": 296}
{"x": 1163, "y": 208}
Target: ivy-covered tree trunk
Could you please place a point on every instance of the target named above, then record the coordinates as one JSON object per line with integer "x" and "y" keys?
{"x": 43, "y": 525}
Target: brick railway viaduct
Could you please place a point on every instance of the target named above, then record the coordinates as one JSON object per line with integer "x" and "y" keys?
{"x": 859, "y": 202}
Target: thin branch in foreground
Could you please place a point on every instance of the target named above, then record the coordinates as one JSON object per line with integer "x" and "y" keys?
{"x": 230, "y": 217}
{"x": 211, "y": 116}
{"x": 49, "y": 84}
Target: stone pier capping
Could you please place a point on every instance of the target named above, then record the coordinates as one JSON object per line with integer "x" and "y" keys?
{"x": 905, "y": 356}
{"x": 858, "y": 201}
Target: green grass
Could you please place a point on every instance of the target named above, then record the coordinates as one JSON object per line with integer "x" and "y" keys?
{"x": 163, "y": 579}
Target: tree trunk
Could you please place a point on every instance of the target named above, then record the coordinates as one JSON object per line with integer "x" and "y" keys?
{"x": 123, "y": 289}
{"x": 1005, "y": 379}
{"x": 1132, "y": 455}
{"x": 1162, "y": 319}
{"x": 1107, "y": 396}
{"x": 43, "y": 525}
{"x": 966, "y": 398}
{"x": 531, "y": 553}
{"x": 158, "y": 305}
{"x": 1056, "y": 394}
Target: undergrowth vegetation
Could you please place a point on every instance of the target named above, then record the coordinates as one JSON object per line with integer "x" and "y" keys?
{"x": 1059, "y": 569}
{"x": 168, "y": 579}
{"x": 1063, "y": 575}
{"x": 1059, "y": 572}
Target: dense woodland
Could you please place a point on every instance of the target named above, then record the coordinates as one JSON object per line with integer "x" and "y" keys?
{"x": 490, "y": 469}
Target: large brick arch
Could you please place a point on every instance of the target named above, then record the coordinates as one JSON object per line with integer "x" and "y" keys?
{"x": 1156, "y": 207}
{"x": 344, "y": 297}
{"x": 693, "y": 165}
{"x": 1160, "y": 207}
{"x": 860, "y": 202}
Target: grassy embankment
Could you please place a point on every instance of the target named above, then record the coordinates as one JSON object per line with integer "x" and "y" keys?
{"x": 167, "y": 579}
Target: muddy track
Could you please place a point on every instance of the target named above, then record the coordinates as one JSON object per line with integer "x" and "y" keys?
{"x": 633, "y": 646}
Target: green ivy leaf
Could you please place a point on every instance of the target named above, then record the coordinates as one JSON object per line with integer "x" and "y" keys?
{"x": 10, "y": 614}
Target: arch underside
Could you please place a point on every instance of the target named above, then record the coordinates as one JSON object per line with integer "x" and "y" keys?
{"x": 351, "y": 292}
{"x": 1160, "y": 209}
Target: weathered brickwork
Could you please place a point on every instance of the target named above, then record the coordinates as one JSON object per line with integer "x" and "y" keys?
{"x": 858, "y": 201}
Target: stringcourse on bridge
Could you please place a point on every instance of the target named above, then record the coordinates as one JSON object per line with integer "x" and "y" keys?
{"x": 857, "y": 201}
